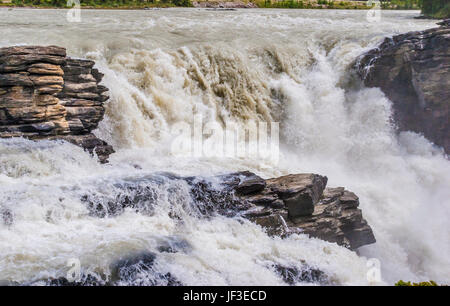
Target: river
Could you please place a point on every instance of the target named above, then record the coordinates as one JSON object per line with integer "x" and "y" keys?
{"x": 169, "y": 66}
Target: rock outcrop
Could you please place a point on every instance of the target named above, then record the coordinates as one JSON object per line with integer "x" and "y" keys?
{"x": 413, "y": 70}
{"x": 296, "y": 203}
{"x": 301, "y": 203}
{"x": 45, "y": 95}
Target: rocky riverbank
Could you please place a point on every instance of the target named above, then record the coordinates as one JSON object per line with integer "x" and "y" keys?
{"x": 413, "y": 70}
{"x": 46, "y": 95}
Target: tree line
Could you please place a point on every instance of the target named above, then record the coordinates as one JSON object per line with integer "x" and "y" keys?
{"x": 436, "y": 8}
{"x": 103, "y": 3}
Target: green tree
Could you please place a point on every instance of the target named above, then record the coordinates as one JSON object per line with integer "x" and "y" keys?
{"x": 181, "y": 2}
{"x": 436, "y": 8}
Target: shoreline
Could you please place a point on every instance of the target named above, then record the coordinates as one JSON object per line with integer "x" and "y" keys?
{"x": 168, "y": 6}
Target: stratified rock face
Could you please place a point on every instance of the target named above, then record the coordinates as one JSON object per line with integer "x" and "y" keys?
{"x": 413, "y": 70}
{"x": 300, "y": 203}
{"x": 296, "y": 203}
{"x": 45, "y": 95}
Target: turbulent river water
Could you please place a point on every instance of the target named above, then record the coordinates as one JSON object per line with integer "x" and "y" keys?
{"x": 167, "y": 66}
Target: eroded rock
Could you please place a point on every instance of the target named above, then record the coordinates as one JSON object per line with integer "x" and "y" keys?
{"x": 45, "y": 95}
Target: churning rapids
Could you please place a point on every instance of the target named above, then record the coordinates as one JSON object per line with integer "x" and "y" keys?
{"x": 164, "y": 67}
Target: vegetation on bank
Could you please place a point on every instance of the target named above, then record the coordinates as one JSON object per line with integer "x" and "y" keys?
{"x": 401, "y": 283}
{"x": 341, "y": 4}
{"x": 319, "y": 4}
{"x": 439, "y": 9}
{"x": 430, "y": 8}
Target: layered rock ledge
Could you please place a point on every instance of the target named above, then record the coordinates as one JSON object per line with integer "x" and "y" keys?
{"x": 46, "y": 95}
{"x": 292, "y": 204}
{"x": 413, "y": 70}
{"x": 301, "y": 203}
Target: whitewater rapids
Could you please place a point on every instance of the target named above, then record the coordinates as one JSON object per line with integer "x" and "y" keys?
{"x": 167, "y": 66}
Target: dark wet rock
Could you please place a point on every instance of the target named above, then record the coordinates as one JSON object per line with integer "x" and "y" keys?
{"x": 301, "y": 203}
{"x": 6, "y": 216}
{"x": 127, "y": 268}
{"x": 251, "y": 184}
{"x": 413, "y": 70}
{"x": 332, "y": 214}
{"x": 138, "y": 194}
{"x": 275, "y": 224}
{"x": 173, "y": 245}
{"x": 210, "y": 198}
{"x": 46, "y": 95}
{"x": 444, "y": 23}
{"x": 138, "y": 270}
{"x": 201, "y": 197}
{"x": 299, "y": 192}
{"x": 85, "y": 280}
{"x": 306, "y": 274}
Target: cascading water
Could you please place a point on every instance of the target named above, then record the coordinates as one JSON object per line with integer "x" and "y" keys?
{"x": 168, "y": 66}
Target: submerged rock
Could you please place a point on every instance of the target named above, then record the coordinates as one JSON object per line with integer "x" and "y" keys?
{"x": 46, "y": 95}
{"x": 6, "y": 216}
{"x": 413, "y": 70}
{"x": 85, "y": 280}
{"x": 133, "y": 270}
{"x": 294, "y": 275}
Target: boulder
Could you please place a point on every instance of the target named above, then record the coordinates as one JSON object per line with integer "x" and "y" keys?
{"x": 46, "y": 95}
{"x": 413, "y": 71}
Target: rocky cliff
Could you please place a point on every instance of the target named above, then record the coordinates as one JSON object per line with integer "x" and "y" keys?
{"x": 46, "y": 95}
{"x": 413, "y": 70}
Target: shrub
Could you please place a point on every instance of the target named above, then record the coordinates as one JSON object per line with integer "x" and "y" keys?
{"x": 401, "y": 283}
